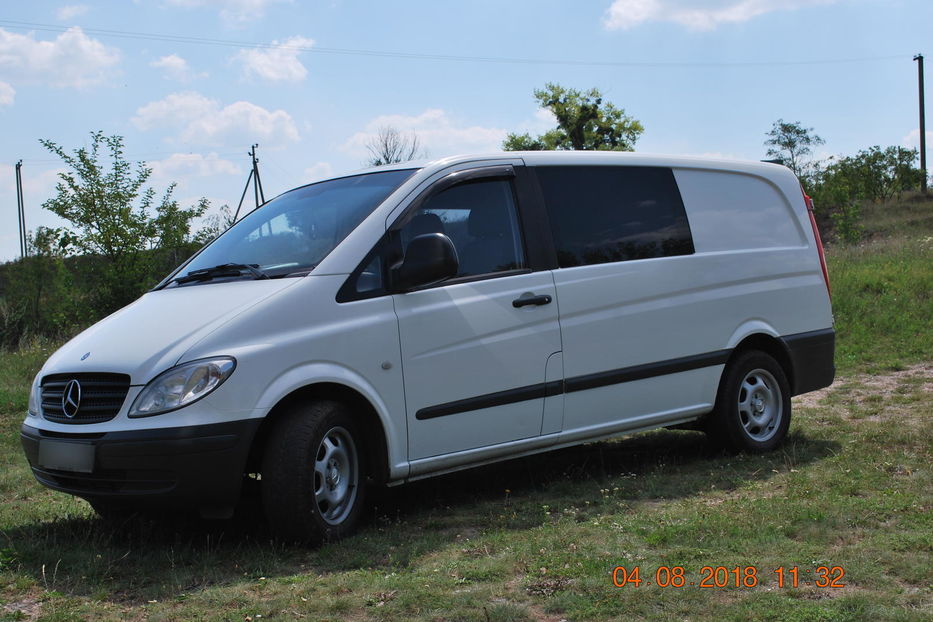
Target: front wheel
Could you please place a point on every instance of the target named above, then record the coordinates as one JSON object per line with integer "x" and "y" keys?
{"x": 113, "y": 511}
{"x": 753, "y": 410}
{"x": 313, "y": 479}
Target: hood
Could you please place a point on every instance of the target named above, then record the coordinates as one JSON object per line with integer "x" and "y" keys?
{"x": 151, "y": 334}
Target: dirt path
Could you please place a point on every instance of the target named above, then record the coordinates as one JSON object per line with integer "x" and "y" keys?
{"x": 861, "y": 386}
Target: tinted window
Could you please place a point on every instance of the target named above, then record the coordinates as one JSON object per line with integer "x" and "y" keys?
{"x": 601, "y": 214}
{"x": 480, "y": 219}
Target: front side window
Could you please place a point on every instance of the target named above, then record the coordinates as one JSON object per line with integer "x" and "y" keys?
{"x": 601, "y": 214}
{"x": 480, "y": 219}
{"x": 293, "y": 232}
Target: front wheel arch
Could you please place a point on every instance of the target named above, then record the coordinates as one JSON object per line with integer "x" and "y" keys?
{"x": 314, "y": 488}
{"x": 370, "y": 425}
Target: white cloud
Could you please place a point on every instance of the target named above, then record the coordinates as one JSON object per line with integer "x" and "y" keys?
{"x": 191, "y": 165}
{"x": 318, "y": 171}
{"x": 7, "y": 94}
{"x": 71, "y": 11}
{"x": 201, "y": 120}
{"x": 72, "y": 60}
{"x": 695, "y": 14}
{"x": 546, "y": 117}
{"x": 174, "y": 67}
{"x": 912, "y": 139}
{"x": 439, "y": 134}
{"x": 233, "y": 12}
{"x": 276, "y": 64}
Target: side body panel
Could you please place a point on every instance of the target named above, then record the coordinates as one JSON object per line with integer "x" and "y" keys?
{"x": 754, "y": 270}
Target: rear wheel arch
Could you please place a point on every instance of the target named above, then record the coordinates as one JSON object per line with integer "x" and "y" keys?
{"x": 370, "y": 425}
{"x": 773, "y": 347}
{"x": 753, "y": 406}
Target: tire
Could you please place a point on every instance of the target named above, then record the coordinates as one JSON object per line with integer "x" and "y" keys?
{"x": 313, "y": 474}
{"x": 753, "y": 409}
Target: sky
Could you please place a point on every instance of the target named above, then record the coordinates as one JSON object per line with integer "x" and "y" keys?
{"x": 191, "y": 84}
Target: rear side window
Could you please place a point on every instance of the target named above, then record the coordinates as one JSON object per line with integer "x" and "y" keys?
{"x": 601, "y": 214}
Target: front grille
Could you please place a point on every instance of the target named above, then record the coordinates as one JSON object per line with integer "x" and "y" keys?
{"x": 102, "y": 395}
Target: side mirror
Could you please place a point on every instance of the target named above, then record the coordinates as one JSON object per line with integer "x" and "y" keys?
{"x": 430, "y": 258}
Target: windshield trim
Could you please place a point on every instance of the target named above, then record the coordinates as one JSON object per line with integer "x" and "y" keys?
{"x": 170, "y": 278}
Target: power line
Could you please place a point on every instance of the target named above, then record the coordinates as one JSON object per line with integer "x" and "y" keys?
{"x": 149, "y": 36}
{"x": 139, "y": 156}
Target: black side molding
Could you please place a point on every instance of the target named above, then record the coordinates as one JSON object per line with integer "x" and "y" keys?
{"x": 578, "y": 383}
{"x": 500, "y": 398}
{"x": 648, "y": 370}
{"x": 811, "y": 356}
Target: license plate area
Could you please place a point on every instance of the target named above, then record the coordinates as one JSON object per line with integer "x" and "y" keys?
{"x": 66, "y": 456}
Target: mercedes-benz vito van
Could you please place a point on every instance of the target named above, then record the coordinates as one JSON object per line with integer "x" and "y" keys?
{"x": 414, "y": 319}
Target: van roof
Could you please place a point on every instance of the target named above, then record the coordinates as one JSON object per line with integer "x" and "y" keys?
{"x": 543, "y": 158}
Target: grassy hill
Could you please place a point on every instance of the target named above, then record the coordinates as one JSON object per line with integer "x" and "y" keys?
{"x": 539, "y": 538}
{"x": 882, "y": 289}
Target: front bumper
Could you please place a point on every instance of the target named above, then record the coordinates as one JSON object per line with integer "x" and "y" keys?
{"x": 196, "y": 466}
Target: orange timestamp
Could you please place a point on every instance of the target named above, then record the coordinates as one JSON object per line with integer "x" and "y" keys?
{"x": 726, "y": 577}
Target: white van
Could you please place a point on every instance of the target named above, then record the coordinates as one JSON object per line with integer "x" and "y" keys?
{"x": 414, "y": 319}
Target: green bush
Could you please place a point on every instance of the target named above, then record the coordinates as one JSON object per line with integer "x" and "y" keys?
{"x": 840, "y": 186}
{"x": 847, "y": 222}
{"x": 118, "y": 241}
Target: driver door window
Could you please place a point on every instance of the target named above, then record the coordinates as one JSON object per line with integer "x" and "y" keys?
{"x": 480, "y": 219}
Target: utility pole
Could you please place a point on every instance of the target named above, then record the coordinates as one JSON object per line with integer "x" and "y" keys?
{"x": 20, "y": 210}
{"x": 923, "y": 128}
{"x": 253, "y": 178}
{"x": 257, "y": 187}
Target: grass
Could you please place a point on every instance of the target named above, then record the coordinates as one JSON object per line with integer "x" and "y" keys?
{"x": 883, "y": 289}
{"x": 538, "y": 538}
{"x": 882, "y": 294}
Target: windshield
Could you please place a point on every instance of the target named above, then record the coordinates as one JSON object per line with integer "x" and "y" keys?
{"x": 293, "y": 232}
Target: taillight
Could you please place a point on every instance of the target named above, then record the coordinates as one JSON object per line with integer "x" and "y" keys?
{"x": 819, "y": 241}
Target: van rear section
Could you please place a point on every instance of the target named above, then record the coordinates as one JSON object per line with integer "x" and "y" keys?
{"x": 760, "y": 228}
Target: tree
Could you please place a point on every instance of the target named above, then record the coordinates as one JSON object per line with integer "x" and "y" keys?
{"x": 113, "y": 217}
{"x": 792, "y": 143}
{"x": 888, "y": 172}
{"x": 583, "y": 122}
{"x": 840, "y": 186}
{"x": 389, "y": 146}
{"x": 214, "y": 225}
{"x": 873, "y": 174}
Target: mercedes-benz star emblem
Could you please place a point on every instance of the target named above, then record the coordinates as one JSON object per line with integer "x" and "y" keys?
{"x": 71, "y": 399}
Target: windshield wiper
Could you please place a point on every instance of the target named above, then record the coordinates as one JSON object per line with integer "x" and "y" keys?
{"x": 224, "y": 269}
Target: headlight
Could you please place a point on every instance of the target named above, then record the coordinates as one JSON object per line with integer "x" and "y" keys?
{"x": 35, "y": 397}
{"x": 182, "y": 385}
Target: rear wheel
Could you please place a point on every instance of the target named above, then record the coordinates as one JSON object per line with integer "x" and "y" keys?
{"x": 753, "y": 408}
{"x": 313, "y": 479}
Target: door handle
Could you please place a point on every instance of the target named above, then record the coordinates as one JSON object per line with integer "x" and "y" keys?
{"x": 524, "y": 301}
